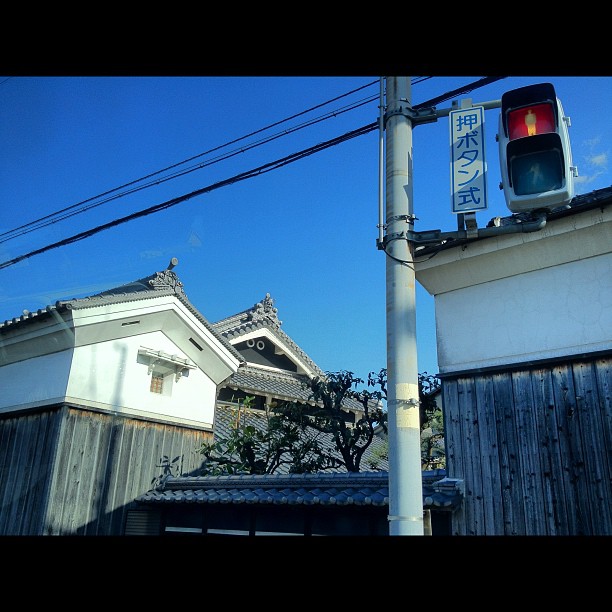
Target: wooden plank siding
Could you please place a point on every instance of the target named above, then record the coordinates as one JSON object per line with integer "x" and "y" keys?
{"x": 534, "y": 448}
{"x": 552, "y": 453}
{"x": 471, "y": 443}
{"x": 452, "y": 440}
{"x": 72, "y": 471}
{"x": 531, "y": 484}
{"x": 488, "y": 450}
{"x": 25, "y": 486}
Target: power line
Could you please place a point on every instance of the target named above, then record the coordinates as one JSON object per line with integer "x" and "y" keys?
{"x": 94, "y": 202}
{"x": 169, "y": 203}
{"x": 55, "y": 217}
{"x": 243, "y": 176}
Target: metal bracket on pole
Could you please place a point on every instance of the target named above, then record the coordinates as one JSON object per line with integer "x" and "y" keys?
{"x": 471, "y": 225}
{"x": 431, "y": 114}
{"x": 422, "y": 238}
{"x": 410, "y": 219}
{"x": 416, "y": 116}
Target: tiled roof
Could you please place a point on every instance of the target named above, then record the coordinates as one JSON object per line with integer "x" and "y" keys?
{"x": 279, "y": 384}
{"x": 227, "y": 415}
{"x": 262, "y": 315}
{"x": 341, "y": 489}
{"x": 155, "y": 285}
{"x": 579, "y": 203}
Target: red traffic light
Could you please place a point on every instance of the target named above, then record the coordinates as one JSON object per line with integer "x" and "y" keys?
{"x": 531, "y": 121}
{"x": 534, "y": 150}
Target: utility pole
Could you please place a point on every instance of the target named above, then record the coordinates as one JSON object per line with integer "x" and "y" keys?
{"x": 405, "y": 476}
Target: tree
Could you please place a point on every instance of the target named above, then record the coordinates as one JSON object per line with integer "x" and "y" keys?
{"x": 432, "y": 424}
{"x": 297, "y": 434}
{"x": 260, "y": 443}
{"x": 331, "y": 415}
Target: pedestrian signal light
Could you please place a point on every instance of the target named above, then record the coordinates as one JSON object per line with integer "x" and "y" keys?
{"x": 534, "y": 149}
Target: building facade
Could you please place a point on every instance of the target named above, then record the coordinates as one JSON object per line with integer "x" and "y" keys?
{"x": 524, "y": 340}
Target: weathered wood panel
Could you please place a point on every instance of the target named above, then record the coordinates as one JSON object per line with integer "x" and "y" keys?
{"x": 35, "y": 471}
{"x": 528, "y": 446}
{"x": 603, "y": 374}
{"x": 453, "y": 444}
{"x": 597, "y": 468}
{"x": 25, "y": 480}
{"x": 489, "y": 453}
{"x": 470, "y": 434}
{"x": 72, "y": 471}
{"x": 534, "y": 447}
{"x": 511, "y": 507}
{"x": 555, "y": 496}
{"x": 572, "y": 456}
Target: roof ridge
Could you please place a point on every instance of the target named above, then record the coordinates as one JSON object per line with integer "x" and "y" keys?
{"x": 272, "y": 374}
{"x": 286, "y": 480}
{"x": 261, "y": 312}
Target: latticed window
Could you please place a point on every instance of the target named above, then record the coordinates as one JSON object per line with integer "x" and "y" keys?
{"x": 157, "y": 383}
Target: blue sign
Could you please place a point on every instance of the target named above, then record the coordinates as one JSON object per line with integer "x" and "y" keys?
{"x": 468, "y": 165}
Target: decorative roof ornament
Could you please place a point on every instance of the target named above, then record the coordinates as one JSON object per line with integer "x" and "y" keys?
{"x": 265, "y": 310}
{"x": 168, "y": 280}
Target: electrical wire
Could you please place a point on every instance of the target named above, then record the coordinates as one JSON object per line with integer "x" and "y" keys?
{"x": 442, "y": 98}
{"x": 95, "y": 201}
{"x": 82, "y": 206}
{"x": 169, "y": 203}
{"x": 240, "y": 177}
{"x": 34, "y": 225}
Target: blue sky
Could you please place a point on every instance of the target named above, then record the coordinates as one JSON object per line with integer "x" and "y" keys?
{"x": 304, "y": 232}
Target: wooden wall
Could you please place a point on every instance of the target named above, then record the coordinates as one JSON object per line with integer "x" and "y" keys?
{"x": 70, "y": 471}
{"x": 534, "y": 447}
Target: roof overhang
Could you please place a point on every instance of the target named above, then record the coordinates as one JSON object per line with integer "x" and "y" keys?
{"x": 563, "y": 240}
{"x": 280, "y": 348}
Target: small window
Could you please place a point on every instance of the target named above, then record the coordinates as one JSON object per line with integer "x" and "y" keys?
{"x": 157, "y": 383}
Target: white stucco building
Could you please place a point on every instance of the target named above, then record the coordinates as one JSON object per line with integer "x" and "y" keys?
{"x": 524, "y": 340}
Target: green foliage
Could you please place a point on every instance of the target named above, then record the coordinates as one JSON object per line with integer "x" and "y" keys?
{"x": 378, "y": 454}
{"x": 331, "y": 415}
{"x": 167, "y": 466}
{"x": 250, "y": 449}
{"x": 296, "y": 434}
{"x": 433, "y": 453}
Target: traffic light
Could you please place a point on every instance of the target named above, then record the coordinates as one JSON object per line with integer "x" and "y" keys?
{"x": 534, "y": 149}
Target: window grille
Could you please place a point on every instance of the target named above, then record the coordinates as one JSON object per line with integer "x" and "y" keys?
{"x": 157, "y": 383}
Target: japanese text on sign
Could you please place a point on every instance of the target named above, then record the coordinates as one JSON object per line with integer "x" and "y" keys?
{"x": 468, "y": 165}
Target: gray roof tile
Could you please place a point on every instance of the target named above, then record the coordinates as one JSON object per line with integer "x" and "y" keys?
{"x": 161, "y": 283}
{"x": 342, "y": 489}
{"x": 280, "y": 384}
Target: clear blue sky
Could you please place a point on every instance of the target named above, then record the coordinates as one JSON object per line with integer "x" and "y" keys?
{"x": 304, "y": 232}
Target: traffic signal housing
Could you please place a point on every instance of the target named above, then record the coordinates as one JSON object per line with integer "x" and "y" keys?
{"x": 534, "y": 149}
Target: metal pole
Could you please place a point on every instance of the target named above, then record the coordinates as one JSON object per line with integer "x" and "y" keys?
{"x": 405, "y": 476}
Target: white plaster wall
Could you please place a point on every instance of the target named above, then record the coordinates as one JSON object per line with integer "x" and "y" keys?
{"x": 33, "y": 382}
{"x": 107, "y": 374}
{"x": 547, "y": 313}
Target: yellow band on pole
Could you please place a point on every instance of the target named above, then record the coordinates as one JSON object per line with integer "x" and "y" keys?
{"x": 404, "y": 518}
